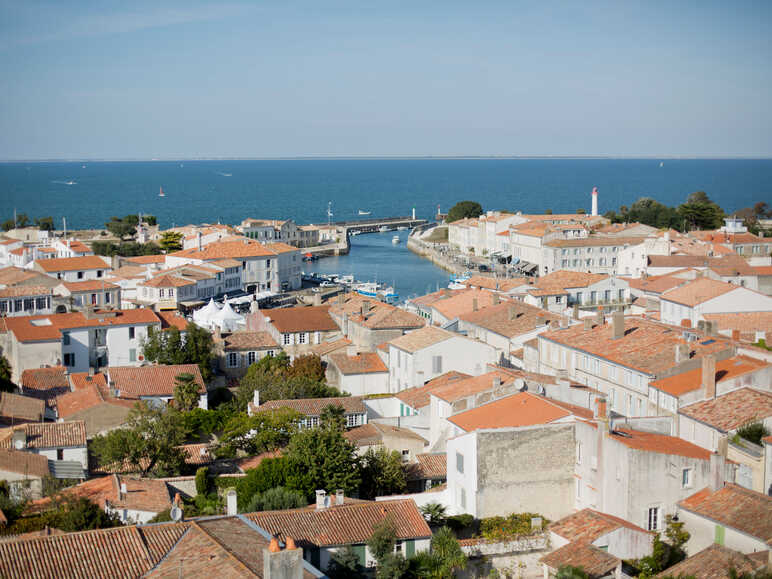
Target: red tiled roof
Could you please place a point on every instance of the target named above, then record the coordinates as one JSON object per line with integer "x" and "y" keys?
{"x": 363, "y": 363}
{"x": 428, "y": 466}
{"x": 728, "y": 369}
{"x": 589, "y": 525}
{"x": 455, "y": 390}
{"x": 21, "y": 462}
{"x": 714, "y": 562}
{"x": 301, "y": 319}
{"x": 254, "y": 461}
{"x": 314, "y": 406}
{"x": 372, "y": 433}
{"x": 89, "y": 285}
{"x": 243, "y": 340}
{"x": 593, "y": 561}
{"x": 510, "y": 319}
{"x": 747, "y": 322}
{"x": 659, "y": 443}
{"x": 422, "y": 338}
{"x": 419, "y": 396}
{"x": 15, "y": 408}
{"x": 197, "y": 454}
{"x": 343, "y": 524}
{"x": 49, "y": 327}
{"x": 523, "y": 409}
{"x": 167, "y": 280}
{"x": 172, "y": 318}
{"x": 47, "y": 434}
{"x": 330, "y": 346}
{"x": 380, "y": 315}
{"x": 698, "y": 291}
{"x": 147, "y": 259}
{"x": 72, "y": 263}
{"x": 731, "y": 410}
{"x": 736, "y": 507}
{"x": 24, "y": 290}
{"x": 45, "y": 378}
{"x": 464, "y": 303}
{"x": 234, "y": 247}
{"x": 134, "y": 382}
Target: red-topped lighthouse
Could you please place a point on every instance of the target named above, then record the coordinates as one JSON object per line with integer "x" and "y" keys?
{"x": 595, "y": 201}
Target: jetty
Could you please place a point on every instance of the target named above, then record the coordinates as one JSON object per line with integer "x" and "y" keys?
{"x": 347, "y": 228}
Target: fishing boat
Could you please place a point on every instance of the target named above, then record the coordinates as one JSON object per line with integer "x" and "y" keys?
{"x": 364, "y": 212}
{"x": 161, "y": 193}
{"x": 383, "y": 229}
{"x": 371, "y": 289}
{"x": 395, "y": 239}
{"x": 459, "y": 281}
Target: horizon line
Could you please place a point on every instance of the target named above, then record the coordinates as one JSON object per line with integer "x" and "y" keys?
{"x": 383, "y": 157}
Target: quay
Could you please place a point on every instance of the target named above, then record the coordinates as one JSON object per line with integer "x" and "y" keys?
{"x": 347, "y": 228}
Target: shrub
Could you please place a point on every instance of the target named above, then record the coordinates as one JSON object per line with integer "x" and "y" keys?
{"x": 203, "y": 484}
{"x": 511, "y": 526}
{"x": 753, "y": 432}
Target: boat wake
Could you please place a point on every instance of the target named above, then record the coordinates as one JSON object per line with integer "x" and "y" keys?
{"x": 70, "y": 182}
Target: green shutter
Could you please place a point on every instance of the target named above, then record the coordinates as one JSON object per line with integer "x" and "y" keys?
{"x": 409, "y": 548}
{"x": 361, "y": 553}
{"x": 719, "y": 535}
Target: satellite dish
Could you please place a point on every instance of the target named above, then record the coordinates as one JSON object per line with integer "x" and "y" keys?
{"x": 19, "y": 444}
{"x": 175, "y": 513}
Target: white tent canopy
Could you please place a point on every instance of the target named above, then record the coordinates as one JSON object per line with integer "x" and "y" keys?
{"x": 227, "y": 319}
{"x": 203, "y": 316}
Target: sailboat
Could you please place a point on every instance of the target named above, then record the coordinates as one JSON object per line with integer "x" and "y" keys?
{"x": 364, "y": 212}
{"x": 161, "y": 193}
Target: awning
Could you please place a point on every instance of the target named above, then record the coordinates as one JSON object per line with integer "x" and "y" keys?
{"x": 192, "y": 303}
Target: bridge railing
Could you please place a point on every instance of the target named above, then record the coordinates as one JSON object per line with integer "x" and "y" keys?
{"x": 375, "y": 220}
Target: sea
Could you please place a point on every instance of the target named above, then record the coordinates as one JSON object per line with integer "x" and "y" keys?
{"x": 88, "y": 193}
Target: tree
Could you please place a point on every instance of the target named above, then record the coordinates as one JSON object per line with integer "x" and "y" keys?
{"x": 383, "y": 473}
{"x": 383, "y": 539}
{"x": 199, "y": 349}
{"x": 148, "y": 443}
{"x": 571, "y": 572}
{"x": 45, "y": 223}
{"x": 447, "y": 551}
{"x": 393, "y": 566}
{"x": 150, "y": 220}
{"x": 753, "y": 431}
{"x": 263, "y": 432}
{"x": 186, "y": 394}
{"x": 120, "y": 228}
{"x": 321, "y": 458}
{"x": 699, "y": 212}
{"x": 309, "y": 366}
{"x": 169, "y": 347}
{"x": 345, "y": 564}
{"x": 5, "y": 375}
{"x": 22, "y": 220}
{"x": 464, "y": 209}
{"x": 79, "y": 514}
{"x": 203, "y": 483}
{"x": 276, "y": 499}
{"x": 434, "y": 513}
{"x": 270, "y": 473}
{"x": 171, "y": 241}
{"x": 664, "y": 554}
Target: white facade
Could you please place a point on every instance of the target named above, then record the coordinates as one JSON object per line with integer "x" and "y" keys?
{"x": 736, "y": 301}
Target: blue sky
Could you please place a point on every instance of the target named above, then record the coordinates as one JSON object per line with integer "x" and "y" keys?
{"x": 269, "y": 79}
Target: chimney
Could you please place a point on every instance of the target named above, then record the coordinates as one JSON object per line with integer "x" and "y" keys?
{"x": 198, "y": 240}
{"x": 709, "y": 376}
{"x": 512, "y": 313}
{"x": 282, "y": 564}
{"x": 587, "y": 324}
{"x": 365, "y": 308}
{"x": 600, "y": 408}
{"x": 91, "y": 371}
{"x": 256, "y": 398}
{"x": 599, "y": 319}
{"x": 318, "y": 299}
{"x": 575, "y": 312}
{"x": 321, "y": 500}
{"x": 681, "y": 353}
{"x": 618, "y": 324}
{"x": 231, "y": 502}
{"x": 496, "y": 381}
{"x": 124, "y": 490}
{"x": 339, "y": 496}
{"x": 19, "y": 439}
{"x": 736, "y": 335}
{"x": 717, "y": 468}
{"x": 495, "y": 298}
{"x": 686, "y": 323}
{"x": 474, "y": 304}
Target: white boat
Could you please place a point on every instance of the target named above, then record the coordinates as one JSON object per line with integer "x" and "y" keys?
{"x": 70, "y": 182}
{"x": 161, "y": 193}
{"x": 383, "y": 229}
{"x": 395, "y": 239}
{"x": 355, "y": 232}
{"x": 458, "y": 282}
{"x": 402, "y": 228}
{"x": 661, "y": 164}
{"x": 373, "y": 290}
{"x": 364, "y": 212}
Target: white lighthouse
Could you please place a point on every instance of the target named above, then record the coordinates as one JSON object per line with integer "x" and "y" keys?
{"x": 595, "y": 201}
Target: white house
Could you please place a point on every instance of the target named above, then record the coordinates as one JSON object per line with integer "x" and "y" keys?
{"x": 153, "y": 384}
{"x": 62, "y": 443}
{"x": 74, "y": 268}
{"x": 359, "y": 374}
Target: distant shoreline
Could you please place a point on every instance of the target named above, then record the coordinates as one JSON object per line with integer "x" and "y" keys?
{"x": 399, "y": 158}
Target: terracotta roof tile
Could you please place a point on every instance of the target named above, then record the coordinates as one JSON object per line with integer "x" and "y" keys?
{"x": 379, "y": 316}
{"x": 301, "y": 319}
{"x": 698, "y": 291}
{"x": 464, "y": 303}
{"x": 234, "y": 248}
{"x": 736, "y": 507}
{"x": 243, "y": 340}
{"x": 562, "y": 280}
{"x": 24, "y": 290}
{"x": 328, "y": 347}
{"x": 728, "y": 369}
{"x": 422, "y": 338}
{"x": 372, "y": 433}
{"x": 747, "y": 322}
{"x": 595, "y": 241}
{"x": 363, "y": 363}
{"x": 254, "y": 461}
{"x": 458, "y": 389}
{"x": 172, "y": 318}
{"x": 490, "y": 283}
{"x": 45, "y": 383}
{"x": 20, "y": 462}
{"x": 15, "y": 408}
{"x": 646, "y": 346}
{"x": 89, "y": 285}
{"x": 147, "y": 259}
{"x": 419, "y": 396}
{"x": 49, "y": 327}
{"x": 731, "y": 410}
{"x": 433, "y": 297}
{"x": 47, "y": 434}
{"x": 659, "y": 443}
{"x": 134, "y": 382}
{"x": 523, "y": 409}
{"x": 167, "y": 280}
{"x": 714, "y": 562}
{"x": 72, "y": 263}
{"x": 594, "y": 561}
{"x": 588, "y": 525}
{"x": 510, "y": 319}
{"x": 428, "y": 466}
{"x": 314, "y": 406}
{"x": 343, "y": 524}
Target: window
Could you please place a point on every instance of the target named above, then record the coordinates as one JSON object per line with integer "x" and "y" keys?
{"x": 69, "y": 360}
{"x": 29, "y": 304}
{"x": 59, "y": 454}
{"x": 131, "y": 332}
{"x": 302, "y": 338}
{"x": 653, "y": 519}
{"x": 132, "y": 354}
{"x": 65, "y": 338}
{"x": 233, "y": 360}
{"x": 686, "y": 478}
{"x": 460, "y": 462}
{"x": 94, "y": 300}
{"x": 268, "y": 263}
{"x": 462, "y": 497}
{"x": 558, "y": 299}
{"x": 437, "y": 364}
{"x": 80, "y": 275}
{"x": 286, "y": 339}
{"x": 578, "y": 453}
{"x": 353, "y": 420}
{"x": 578, "y": 297}
{"x": 99, "y": 273}
{"x": 405, "y": 455}
{"x": 160, "y": 293}
{"x": 269, "y": 353}
{"x": 107, "y": 297}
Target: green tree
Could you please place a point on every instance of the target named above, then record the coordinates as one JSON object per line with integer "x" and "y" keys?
{"x": 321, "y": 458}
{"x": 434, "y": 513}
{"x": 122, "y": 228}
{"x": 464, "y": 209}
{"x": 169, "y": 347}
{"x": 171, "y": 241}
{"x": 383, "y": 473}
{"x": 571, "y": 572}
{"x": 199, "y": 349}
{"x": 276, "y": 499}
{"x": 150, "y": 220}
{"x": 270, "y": 473}
{"x": 203, "y": 482}
{"x": 5, "y": 375}
{"x": 383, "y": 539}
{"x": 345, "y": 564}
{"x": 309, "y": 366}
{"x": 263, "y": 432}
{"x": 393, "y": 566}
{"x": 664, "y": 554}
{"x": 147, "y": 443}
{"x": 186, "y": 394}
{"x": 753, "y": 431}
{"x": 79, "y": 514}
{"x": 45, "y": 223}
{"x": 447, "y": 552}
{"x": 699, "y": 212}
{"x": 22, "y": 220}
